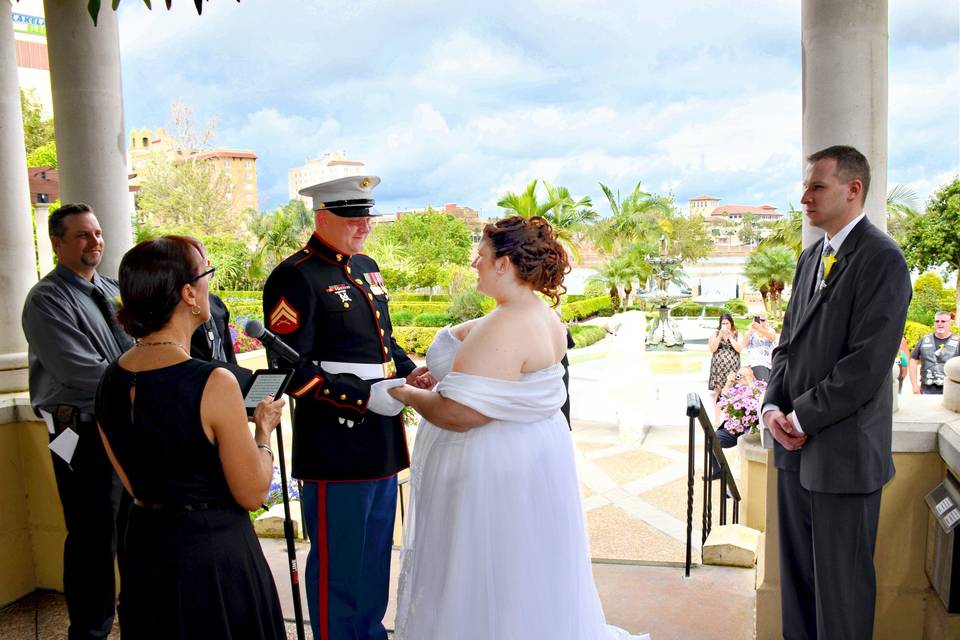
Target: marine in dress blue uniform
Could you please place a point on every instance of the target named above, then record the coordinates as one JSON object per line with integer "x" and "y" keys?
{"x": 330, "y": 304}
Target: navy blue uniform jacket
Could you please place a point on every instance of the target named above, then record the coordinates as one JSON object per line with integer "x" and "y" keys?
{"x": 331, "y": 306}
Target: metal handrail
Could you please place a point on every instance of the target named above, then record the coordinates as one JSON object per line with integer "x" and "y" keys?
{"x": 728, "y": 486}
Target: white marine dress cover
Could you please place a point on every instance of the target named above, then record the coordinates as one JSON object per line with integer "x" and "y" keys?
{"x": 494, "y": 543}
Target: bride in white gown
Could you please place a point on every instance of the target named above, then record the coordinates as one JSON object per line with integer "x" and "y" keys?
{"x": 494, "y": 542}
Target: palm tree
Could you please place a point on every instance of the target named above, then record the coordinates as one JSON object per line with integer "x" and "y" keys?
{"x": 902, "y": 204}
{"x": 636, "y": 267}
{"x": 639, "y": 216}
{"x": 770, "y": 269}
{"x": 613, "y": 274}
{"x": 787, "y": 232}
{"x": 525, "y": 204}
{"x": 570, "y": 218}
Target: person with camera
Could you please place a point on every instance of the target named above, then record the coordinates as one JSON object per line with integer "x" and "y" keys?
{"x": 70, "y": 326}
{"x": 758, "y": 344}
{"x": 175, "y": 429}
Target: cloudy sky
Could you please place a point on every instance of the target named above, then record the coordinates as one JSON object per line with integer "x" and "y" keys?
{"x": 460, "y": 104}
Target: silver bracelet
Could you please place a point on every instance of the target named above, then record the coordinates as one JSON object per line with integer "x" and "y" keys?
{"x": 267, "y": 449}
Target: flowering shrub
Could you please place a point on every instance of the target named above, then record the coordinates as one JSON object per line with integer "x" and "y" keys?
{"x": 242, "y": 343}
{"x": 275, "y": 495}
{"x": 740, "y": 406}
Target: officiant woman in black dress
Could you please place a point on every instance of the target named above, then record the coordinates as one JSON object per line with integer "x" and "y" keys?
{"x": 176, "y": 431}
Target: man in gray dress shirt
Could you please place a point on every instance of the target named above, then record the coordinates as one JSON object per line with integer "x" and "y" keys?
{"x": 68, "y": 320}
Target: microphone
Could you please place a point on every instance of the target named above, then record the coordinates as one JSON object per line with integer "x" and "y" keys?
{"x": 282, "y": 350}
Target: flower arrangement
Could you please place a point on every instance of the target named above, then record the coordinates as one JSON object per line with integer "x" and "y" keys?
{"x": 275, "y": 495}
{"x": 740, "y": 406}
{"x": 242, "y": 343}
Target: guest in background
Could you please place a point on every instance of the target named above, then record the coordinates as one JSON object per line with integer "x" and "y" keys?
{"x": 758, "y": 343}
{"x": 212, "y": 339}
{"x": 70, "y": 325}
{"x": 726, "y": 347}
{"x": 175, "y": 429}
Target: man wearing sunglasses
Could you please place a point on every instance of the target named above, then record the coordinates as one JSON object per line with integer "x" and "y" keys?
{"x": 70, "y": 325}
{"x": 931, "y": 353}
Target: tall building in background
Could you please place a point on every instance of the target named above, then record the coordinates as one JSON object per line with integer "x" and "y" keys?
{"x": 329, "y": 166}
{"x": 239, "y": 166}
{"x": 33, "y": 66}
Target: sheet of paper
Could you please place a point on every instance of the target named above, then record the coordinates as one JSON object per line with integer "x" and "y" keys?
{"x": 65, "y": 444}
{"x": 48, "y": 418}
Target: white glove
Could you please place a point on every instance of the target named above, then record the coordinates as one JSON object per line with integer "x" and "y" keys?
{"x": 382, "y": 402}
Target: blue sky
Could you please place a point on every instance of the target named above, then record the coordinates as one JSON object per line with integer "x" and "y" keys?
{"x": 459, "y": 104}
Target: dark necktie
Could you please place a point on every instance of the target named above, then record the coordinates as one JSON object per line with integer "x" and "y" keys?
{"x": 124, "y": 341}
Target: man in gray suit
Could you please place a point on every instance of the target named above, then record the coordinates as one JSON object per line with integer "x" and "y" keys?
{"x": 829, "y": 404}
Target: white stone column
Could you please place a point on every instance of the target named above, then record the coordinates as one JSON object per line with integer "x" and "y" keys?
{"x": 88, "y": 111}
{"x": 17, "y": 266}
{"x": 844, "y": 48}
{"x": 41, "y": 212}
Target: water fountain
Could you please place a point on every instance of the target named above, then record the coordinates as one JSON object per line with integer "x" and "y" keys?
{"x": 663, "y": 334}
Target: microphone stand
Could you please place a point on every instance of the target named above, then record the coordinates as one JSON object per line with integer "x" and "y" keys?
{"x": 287, "y": 521}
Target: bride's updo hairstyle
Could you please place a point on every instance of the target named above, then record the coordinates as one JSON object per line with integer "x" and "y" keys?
{"x": 534, "y": 252}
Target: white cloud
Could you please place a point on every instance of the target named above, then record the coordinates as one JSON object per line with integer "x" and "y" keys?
{"x": 463, "y": 102}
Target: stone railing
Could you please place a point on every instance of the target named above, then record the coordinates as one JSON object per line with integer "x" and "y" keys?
{"x": 926, "y": 447}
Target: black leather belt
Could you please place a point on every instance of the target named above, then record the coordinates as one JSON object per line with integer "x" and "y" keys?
{"x": 199, "y": 506}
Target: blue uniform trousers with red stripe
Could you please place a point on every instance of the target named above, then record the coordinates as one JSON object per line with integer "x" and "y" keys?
{"x": 350, "y": 525}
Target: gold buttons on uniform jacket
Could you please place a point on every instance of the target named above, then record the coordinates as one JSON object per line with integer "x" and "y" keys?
{"x": 346, "y": 305}
{"x": 382, "y": 332}
{"x": 385, "y": 350}
{"x": 359, "y": 402}
{"x": 378, "y": 315}
{"x": 326, "y": 392}
{"x": 347, "y": 268}
{"x": 343, "y": 396}
{"x": 370, "y": 295}
{"x": 339, "y": 258}
{"x": 358, "y": 281}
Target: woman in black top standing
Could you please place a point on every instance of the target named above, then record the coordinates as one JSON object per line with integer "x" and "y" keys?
{"x": 176, "y": 431}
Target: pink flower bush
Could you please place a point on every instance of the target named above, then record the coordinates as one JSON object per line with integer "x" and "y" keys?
{"x": 740, "y": 407}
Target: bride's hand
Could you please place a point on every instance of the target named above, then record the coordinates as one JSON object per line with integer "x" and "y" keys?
{"x": 416, "y": 373}
{"x": 400, "y": 393}
{"x": 426, "y": 381}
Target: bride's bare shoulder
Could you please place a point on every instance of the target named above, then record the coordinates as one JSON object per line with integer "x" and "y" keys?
{"x": 462, "y": 330}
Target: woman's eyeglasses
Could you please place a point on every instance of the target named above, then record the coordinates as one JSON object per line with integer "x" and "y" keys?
{"x": 208, "y": 272}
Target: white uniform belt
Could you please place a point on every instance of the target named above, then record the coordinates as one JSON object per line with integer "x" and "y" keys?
{"x": 366, "y": 371}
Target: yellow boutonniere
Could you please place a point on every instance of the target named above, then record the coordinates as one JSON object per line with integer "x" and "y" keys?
{"x": 828, "y": 262}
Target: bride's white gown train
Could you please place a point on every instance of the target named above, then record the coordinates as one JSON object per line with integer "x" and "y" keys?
{"x": 494, "y": 542}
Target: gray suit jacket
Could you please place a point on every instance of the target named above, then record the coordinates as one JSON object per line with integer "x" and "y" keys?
{"x": 834, "y": 361}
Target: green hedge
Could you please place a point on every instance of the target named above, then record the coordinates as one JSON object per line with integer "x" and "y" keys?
{"x": 585, "y": 308}
{"x": 416, "y": 308}
{"x": 914, "y": 331}
{"x": 245, "y": 309}
{"x": 586, "y": 334}
{"x": 433, "y": 320}
{"x": 736, "y": 307}
{"x": 415, "y": 339}
{"x": 419, "y": 297}
{"x": 686, "y": 309}
{"x": 401, "y": 318}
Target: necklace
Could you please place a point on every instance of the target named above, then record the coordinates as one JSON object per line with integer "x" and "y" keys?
{"x": 160, "y": 343}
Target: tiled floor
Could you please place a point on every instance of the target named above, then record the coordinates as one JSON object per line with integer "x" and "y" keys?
{"x": 633, "y": 483}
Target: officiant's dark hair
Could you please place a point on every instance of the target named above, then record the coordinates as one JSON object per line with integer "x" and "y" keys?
{"x": 851, "y": 165}
{"x": 151, "y": 277}
{"x": 532, "y": 247}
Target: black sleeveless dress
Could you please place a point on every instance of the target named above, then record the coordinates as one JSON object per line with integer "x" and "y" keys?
{"x": 192, "y": 566}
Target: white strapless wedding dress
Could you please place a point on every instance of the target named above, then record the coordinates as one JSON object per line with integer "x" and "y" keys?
{"x": 494, "y": 544}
